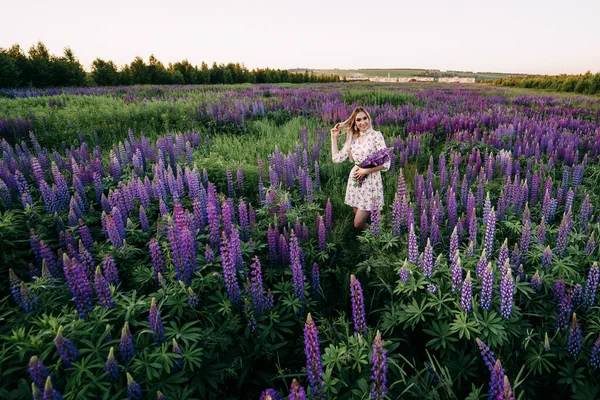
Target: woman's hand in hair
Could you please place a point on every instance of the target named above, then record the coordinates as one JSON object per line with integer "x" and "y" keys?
{"x": 335, "y": 131}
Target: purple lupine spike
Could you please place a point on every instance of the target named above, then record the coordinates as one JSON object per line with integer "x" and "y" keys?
{"x": 156, "y": 326}
{"x": 240, "y": 179}
{"x": 590, "y": 245}
{"x": 575, "y": 338}
{"x": 378, "y": 369}
{"x": 456, "y": 272}
{"x": 413, "y": 250}
{"x": 424, "y": 227}
{"x": 358, "y": 306}
{"x": 536, "y": 282}
{"x": 487, "y": 286}
{"x": 296, "y": 266}
{"x": 404, "y": 272}
{"x": 563, "y": 232}
{"x": 38, "y": 372}
{"x": 49, "y": 392}
{"x": 315, "y": 282}
{"x": 126, "y": 344}
{"x": 243, "y": 218}
{"x": 134, "y": 391}
{"x": 109, "y": 268}
{"x": 188, "y": 254}
{"x": 497, "y": 381}
{"x": 15, "y": 286}
{"x": 272, "y": 243}
{"x": 209, "y": 255}
{"x": 230, "y": 190}
{"x": 547, "y": 257}
{"x": 213, "y": 225}
{"x": 282, "y": 210}
{"x": 473, "y": 228}
{"x": 466, "y": 297}
{"x": 321, "y": 233}
{"x": 111, "y": 367}
{"x": 486, "y": 354}
{"x": 314, "y": 368}
{"x": 297, "y": 392}
{"x": 481, "y": 264}
{"x": 584, "y": 214}
{"x": 595, "y": 354}
{"x": 591, "y": 286}
{"x": 178, "y": 364}
{"x": 490, "y": 229}
{"x": 507, "y": 290}
{"x": 66, "y": 349}
{"x": 396, "y": 217}
{"x": 427, "y": 264}
{"x": 525, "y": 240}
{"x": 577, "y": 295}
{"x": 328, "y": 216}
{"x": 103, "y": 290}
{"x": 256, "y": 286}
{"x": 79, "y": 285}
{"x": 284, "y": 251}
{"x": 229, "y": 271}
{"x": 270, "y": 394}
{"x": 144, "y": 223}
{"x": 192, "y": 298}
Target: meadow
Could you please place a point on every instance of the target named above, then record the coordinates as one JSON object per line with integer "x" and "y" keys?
{"x": 191, "y": 242}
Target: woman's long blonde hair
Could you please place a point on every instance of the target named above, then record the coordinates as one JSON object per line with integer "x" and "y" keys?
{"x": 350, "y": 126}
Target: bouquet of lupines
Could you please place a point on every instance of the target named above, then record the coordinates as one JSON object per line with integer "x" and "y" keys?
{"x": 376, "y": 159}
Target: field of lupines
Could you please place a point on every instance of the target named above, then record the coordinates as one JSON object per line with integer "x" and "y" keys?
{"x": 206, "y": 252}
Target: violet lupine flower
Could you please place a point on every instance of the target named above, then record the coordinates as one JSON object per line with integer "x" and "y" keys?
{"x": 240, "y": 179}
{"x": 328, "y": 216}
{"x": 49, "y": 392}
{"x": 575, "y": 338}
{"x": 66, "y": 349}
{"x": 126, "y": 344}
{"x": 213, "y": 225}
{"x": 431, "y": 288}
{"x": 487, "y": 287}
{"x": 375, "y": 220}
{"x": 456, "y": 273}
{"x": 256, "y": 285}
{"x": 396, "y": 217}
{"x": 15, "y": 286}
{"x": 413, "y": 250}
{"x": 536, "y": 282}
{"x": 358, "y": 306}
{"x": 497, "y": 380}
{"x": 547, "y": 257}
{"x": 178, "y": 364}
{"x": 296, "y": 391}
{"x": 473, "y": 228}
{"x": 490, "y": 229}
{"x": 192, "y": 298}
{"x": 296, "y": 266}
{"x": 507, "y": 290}
{"x": 134, "y": 391}
{"x": 79, "y": 285}
{"x": 38, "y": 371}
{"x": 315, "y": 283}
{"x": 376, "y": 159}
{"x": 243, "y": 218}
{"x": 595, "y": 355}
{"x": 466, "y": 296}
{"x": 584, "y": 214}
{"x": 481, "y": 264}
{"x": 86, "y": 236}
{"x": 563, "y": 232}
{"x": 111, "y": 367}
{"x": 590, "y": 245}
{"x": 229, "y": 271}
{"x": 434, "y": 234}
{"x": 591, "y": 286}
{"x": 404, "y": 272}
{"x": 525, "y": 238}
{"x": 272, "y": 243}
{"x": 486, "y": 354}
{"x": 103, "y": 290}
{"x": 270, "y": 394}
{"x": 156, "y": 326}
{"x": 157, "y": 259}
{"x": 321, "y": 233}
{"x": 209, "y": 255}
{"x": 379, "y": 369}
{"x": 144, "y": 223}
{"x": 314, "y": 368}
{"x": 427, "y": 264}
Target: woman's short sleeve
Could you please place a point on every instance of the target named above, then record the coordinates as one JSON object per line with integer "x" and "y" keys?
{"x": 380, "y": 144}
{"x": 342, "y": 154}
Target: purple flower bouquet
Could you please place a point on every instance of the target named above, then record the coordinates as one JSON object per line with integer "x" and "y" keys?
{"x": 376, "y": 159}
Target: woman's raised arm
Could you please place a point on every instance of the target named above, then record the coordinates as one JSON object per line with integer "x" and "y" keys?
{"x": 341, "y": 155}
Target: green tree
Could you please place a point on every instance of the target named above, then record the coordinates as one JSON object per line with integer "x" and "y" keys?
{"x": 139, "y": 71}
{"x": 9, "y": 73}
{"x": 104, "y": 73}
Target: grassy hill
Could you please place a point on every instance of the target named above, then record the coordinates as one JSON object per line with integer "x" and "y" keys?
{"x": 406, "y": 72}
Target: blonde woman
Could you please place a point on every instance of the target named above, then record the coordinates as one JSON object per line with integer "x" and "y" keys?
{"x": 361, "y": 141}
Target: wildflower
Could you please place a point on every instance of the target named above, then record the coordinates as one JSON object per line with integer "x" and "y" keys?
{"x": 314, "y": 368}
{"x": 270, "y": 394}
{"x": 591, "y": 286}
{"x": 315, "y": 282}
{"x": 49, "y": 392}
{"x": 134, "y": 391}
{"x": 413, "y": 251}
{"x": 229, "y": 272}
{"x": 379, "y": 369}
{"x": 103, "y": 290}
{"x": 358, "y": 306}
{"x": 111, "y": 367}
{"x": 404, "y": 272}
{"x": 487, "y": 286}
{"x": 192, "y": 298}
{"x": 156, "y": 326}
{"x": 296, "y": 391}
{"x": 575, "y": 338}
{"x": 126, "y": 344}
{"x": 431, "y": 288}
{"x": 38, "y": 372}
{"x": 507, "y": 289}
{"x": 595, "y": 355}
{"x": 65, "y": 348}
{"x": 179, "y": 361}
{"x": 296, "y": 266}
{"x": 536, "y": 282}
{"x": 466, "y": 297}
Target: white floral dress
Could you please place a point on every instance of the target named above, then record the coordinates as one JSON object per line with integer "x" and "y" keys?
{"x": 370, "y": 192}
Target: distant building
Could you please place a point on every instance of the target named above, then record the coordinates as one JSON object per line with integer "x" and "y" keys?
{"x": 456, "y": 79}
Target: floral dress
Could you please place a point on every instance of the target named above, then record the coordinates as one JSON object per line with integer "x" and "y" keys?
{"x": 370, "y": 192}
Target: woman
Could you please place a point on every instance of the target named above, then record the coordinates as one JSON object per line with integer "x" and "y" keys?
{"x": 361, "y": 142}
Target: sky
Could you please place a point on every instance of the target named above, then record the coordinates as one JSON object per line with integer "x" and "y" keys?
{"x": 512, "y": 36}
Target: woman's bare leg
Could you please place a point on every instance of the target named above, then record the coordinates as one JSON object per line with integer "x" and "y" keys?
{"x": 360, "y": 219}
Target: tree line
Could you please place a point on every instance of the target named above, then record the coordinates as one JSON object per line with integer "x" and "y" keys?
{"x": 587, "y": 83}
{"x": 38, "y": 68}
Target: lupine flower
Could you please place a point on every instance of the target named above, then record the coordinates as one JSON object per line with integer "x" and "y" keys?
{"x": 67, "y": 351}
{"x": 358, "y": 306}
{"x": 296, "y": 266}
{"x": 456, "y": 273}
{"x": 507, "y": 290}
{"x": 179, "y": 361}
{"x": 591, "y": 286}
{"x": 321, "y": 233}
{"x": 536, "y": 282}
{"x": 160, "y": 395}
{"x": 404, "y": 272}
{"x": 103, "y": 290}
{"x": 546, "y": 342}
{"x": 110, "y": 269}
{"x": 466, "y": 297}
{"x": 36, "y": 393}
{"x": 111, "y": 367}
{"x": 427, "y": 264}
{"x": 413, "y": 251}
{"x": 487, "y": 286}
{"x": 49, "y": 392}
{"x": 229, "y": 272}
{"x": 296, "y": 391}
{"x": 431, "y": 288}
{"x": 192, "y": 298}
{"x": 134, "y": 391}
{"x": 547, "y": 257}
{"x": 486, "y": 354}
{"x": 481, "y": 264}
{"x": 157, "y": 259}
{"x": 15, "y": 286}
{"x": 270, "y": 394}
{"x": 563, "y": 232}
{"x": 126, "y": 344}
{"x": 256, "y": 285}
{"x": 213, "y": 225}
{"x": 79, "y": 285}
{"x": 489, "y": 232}
{"x": 497, "y": 380}
{"x": 156, "y": 326}
{"x": 590, "y": 245}
{"x": 575, "y": 338}
{"x": 315, "y": 282}
{"x": 595, "y": 355}
{"x": 328, "y": 216}
{"x": 314, "y": 368}
{"x": 38, "y": 371}
{"x": 378, "y": 369}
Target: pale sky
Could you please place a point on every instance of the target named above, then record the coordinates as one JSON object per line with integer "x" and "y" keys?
{"x": 527, "y": 36}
